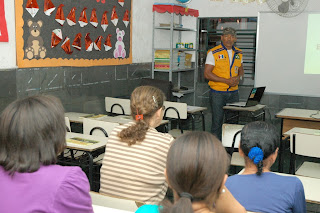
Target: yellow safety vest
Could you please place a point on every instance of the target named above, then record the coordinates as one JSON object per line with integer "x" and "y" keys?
{"x": 222, "y": 67}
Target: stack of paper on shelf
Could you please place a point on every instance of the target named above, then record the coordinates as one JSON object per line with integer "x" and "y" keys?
{"x": 162, "y": 59}
{"x": 188, "y": 60}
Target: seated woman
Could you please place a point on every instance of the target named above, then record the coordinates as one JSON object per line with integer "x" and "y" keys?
{"x": 258, "y": 189}
{"x": 32, "y": 134}
{"x": 196, "y": 170}
{"x": 135, "y": 157}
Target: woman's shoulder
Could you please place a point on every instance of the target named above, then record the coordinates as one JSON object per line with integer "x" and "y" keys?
{"x": 116, "y": 130}
{"x": 61, "y": 172}
{"x": 166, "y": 137}
{"x": 281, "y": 177}
{"x": 266, "y": 177}
{"x": 288, "y": 179}
{"x": 123, "y": 126}
{"x": 148, "y": 209}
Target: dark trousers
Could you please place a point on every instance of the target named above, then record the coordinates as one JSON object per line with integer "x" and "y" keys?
{"x": 217, "y": 101}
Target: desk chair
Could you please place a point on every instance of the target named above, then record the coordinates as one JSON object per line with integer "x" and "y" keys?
{"x": 178, "y": 111}
{"x": 75, "y": 155}
{"x": 231, "y": 134}
{"x": 66, "y": 119}
{"x": 113, "y": 202}
{"x": 65, "y": 152}
{"x": 118, "y": 106}
{"x": 98, "y": 128}
{"x": 102, "y": 129}
{"x": 305, "y": 145}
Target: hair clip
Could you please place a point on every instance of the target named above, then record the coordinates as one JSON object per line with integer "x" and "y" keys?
{"x": 154, "y": 100}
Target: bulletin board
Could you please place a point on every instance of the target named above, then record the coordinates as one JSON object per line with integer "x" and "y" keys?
{"x": 3, "y": 24}
{"x": 53, "y": 33}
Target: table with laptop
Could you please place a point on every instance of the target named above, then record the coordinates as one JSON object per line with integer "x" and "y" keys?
{"x": 251, "y": 107}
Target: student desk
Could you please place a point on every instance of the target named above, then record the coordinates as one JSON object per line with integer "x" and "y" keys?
{"x": 92, "y": 150}
{"x": 311, "y": 187}
{"x": 124, "y": 106}
{"x": 101, "y": 201}
{"x": 303, "y": 131}
{"x": 103, "y": 209}
{"x": 255, "y": 112}
{"x": 122, "y": 119}
{"x": 304, "y": 118}
{"x": 297, "y": 130}
{"x": 291, "y": 118}
{"x": 77, "y": 117}
{"x": 192, "y": 110}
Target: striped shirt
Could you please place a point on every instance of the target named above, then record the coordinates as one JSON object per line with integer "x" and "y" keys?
{"x": 136, "y": 172}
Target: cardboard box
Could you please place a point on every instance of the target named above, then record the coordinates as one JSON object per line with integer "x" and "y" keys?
{"x": 188, "y": 63}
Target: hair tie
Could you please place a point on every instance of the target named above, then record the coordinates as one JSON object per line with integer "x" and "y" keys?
{"x": 139, "y": 117}
{"x": 256, "y": 154}
{"x": 187, "y": 195}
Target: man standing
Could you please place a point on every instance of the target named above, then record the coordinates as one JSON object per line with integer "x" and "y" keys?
{"x": 223, "y": 69}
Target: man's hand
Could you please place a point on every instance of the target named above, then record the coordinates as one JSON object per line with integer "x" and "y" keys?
{"x": 233, "y": 81}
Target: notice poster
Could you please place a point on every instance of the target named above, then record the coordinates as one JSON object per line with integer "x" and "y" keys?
{"x": 3, "y": 24}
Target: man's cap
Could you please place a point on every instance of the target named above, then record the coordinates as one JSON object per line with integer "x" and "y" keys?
{"x": 229, "y": 31}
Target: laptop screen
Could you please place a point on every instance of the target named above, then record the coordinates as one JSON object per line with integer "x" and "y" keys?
{"x": 255, "y": 96}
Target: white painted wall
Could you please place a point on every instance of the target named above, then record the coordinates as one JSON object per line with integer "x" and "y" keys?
{"x": 142, "y": 24}
{"x": 226, "y": 8}
{"x": 142, "y": 16}
{"x": 8, "y": 49}
{"x": 142, "y": 30}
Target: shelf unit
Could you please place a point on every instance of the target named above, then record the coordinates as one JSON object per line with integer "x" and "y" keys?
{"x": 175, "y": 12}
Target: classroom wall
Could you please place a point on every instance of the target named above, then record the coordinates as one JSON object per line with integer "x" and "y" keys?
{"x": 142, "y": 24}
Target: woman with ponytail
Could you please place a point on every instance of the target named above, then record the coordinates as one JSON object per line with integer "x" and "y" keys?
{"x": 196, "y": 170}
{"x": 257, "y": 188}
{"x": 135, "y": 158}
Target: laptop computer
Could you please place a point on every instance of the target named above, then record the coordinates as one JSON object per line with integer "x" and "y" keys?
{"x": 253, "y": 99}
